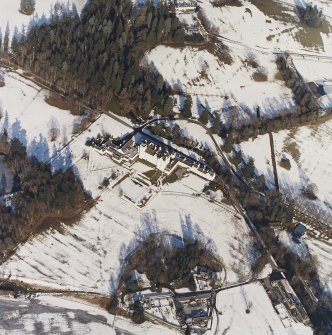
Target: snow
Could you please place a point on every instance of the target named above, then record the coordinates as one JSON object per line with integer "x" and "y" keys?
{"x": 187, "y": 18}
{"x": 249, "y": 26}
{"x": 113, "y": 228}
{"x": 9, "y": 13}
{"x": 52, "y": 315}
{"x": 132, "y": 190}
{"x": 313, "y": 145}
{"x": 220, "y": 86}
{"x": 106, "y": 124}
{"x": 262, "y": 319}
{"x": 313, "y": 68}
{"x": 194, "y": 182}
{"x": 197, "y": 132}
{"x": 322, "y": 251}
{"x": 59, "y": 314}
{"x": 29, "y": 118}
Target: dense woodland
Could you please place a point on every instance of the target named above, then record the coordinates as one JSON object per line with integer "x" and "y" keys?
{"x": 165, "y": 265}
{"x": 100, "y": 56}
{"x": 38, "y": 193}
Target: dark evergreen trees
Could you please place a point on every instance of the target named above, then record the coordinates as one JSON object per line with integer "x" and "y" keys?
{"x": 6, "y": 39}
{"x": 38, "y": 192}
{"x": 249, "y": 169}
{"x": 98, "y": 56}
{"x": 311, "y": 15}
{"x": 204, "y": 118}
{"x": 216, "y": 124}
{"x": 186, "y": 110}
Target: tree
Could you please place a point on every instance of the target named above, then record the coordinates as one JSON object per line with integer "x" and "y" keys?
{"x": 6, "y": 39}
{"x": 95, "y": 57}
{"x": 216, "y": 124}
{"x": 15, "y": 41}
{"x": 0, "y": 40}
{"x": 27, "y": 7}
{"x": 204, "y": 118}
{"x": 311, "y": 191}
{"x": 168, "y": 107}
{"x": 260, "y": 182}
{"x": 3, "y": 184}
{"x": 138, "y": 314}
{"x": 2, "y": 84}
{"x": 186, "y": 110}
{"x": 54, "y": 130}
{"x": 249, "y": 169}
{"x": 228, "y": 144}
{"x": 113, "y": 304}
{"x": 312, "y": 16}
{"x": 237, "y": 158}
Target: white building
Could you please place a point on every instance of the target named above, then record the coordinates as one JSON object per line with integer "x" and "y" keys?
{"x": 154, "y": 154}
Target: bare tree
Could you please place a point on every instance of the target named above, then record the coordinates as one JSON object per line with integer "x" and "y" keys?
{"x": 27, "y": 7}
{"x": 54, "y": 130}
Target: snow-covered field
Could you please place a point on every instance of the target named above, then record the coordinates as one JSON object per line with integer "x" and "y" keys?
{"x": 109, "y": 231}
{"x": 113, "y": 227}
{"x": 262, "y": 319}
{"x": 29, "y": 118}
{"x": 273, "y": 25}
{"x": 313, "y": 68}
{"x": 52, "y": 315}
{"x": 9, "y": 13}
{"x": 309, "y": 150}
{"x": 46, "y": 314}
{"x": 219, "y": 86}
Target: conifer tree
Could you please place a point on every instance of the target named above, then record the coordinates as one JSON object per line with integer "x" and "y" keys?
{"x": 216, "y": 124}
{"x": 204, "y": 118}
{"x": 186, "y": 110}
{"x": 6, "y": 39}
{"x": 0, "y": 40}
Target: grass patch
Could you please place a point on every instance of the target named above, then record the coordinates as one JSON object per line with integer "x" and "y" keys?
{"x": 275, "y": 10}
{"x": 259, "y": 77}
{"x": 292, "y": 148}
{"x": 172, "y": 178}
{"x": 223, "y": 3}
{"x": 285, "y": 163}
{"x": 278, "y": 76}
{"x": 226, "y": 201}
{"x": 60, "y": 102}
{"x": 153, "y": 175}
{"x": 310, "y": 37}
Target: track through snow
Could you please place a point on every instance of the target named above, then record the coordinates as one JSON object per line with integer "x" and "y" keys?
{"x": 111, "y": 230}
